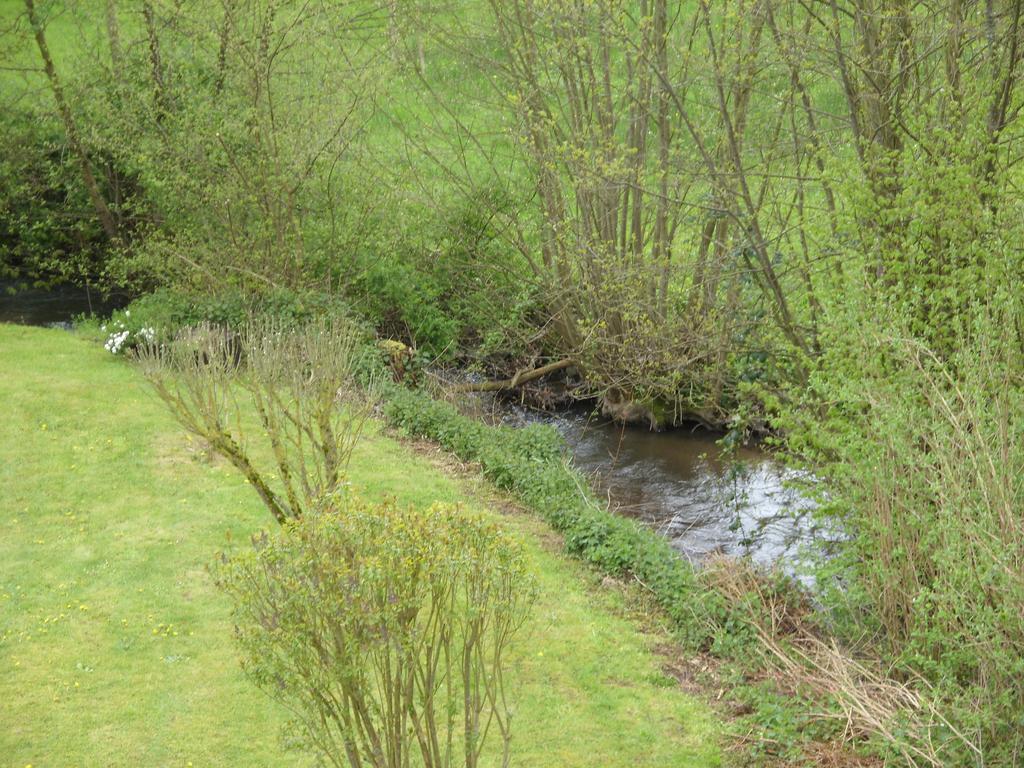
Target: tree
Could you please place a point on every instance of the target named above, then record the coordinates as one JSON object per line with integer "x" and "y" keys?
{"x": 99, "y": 203}
{"x": 645, "y": 234}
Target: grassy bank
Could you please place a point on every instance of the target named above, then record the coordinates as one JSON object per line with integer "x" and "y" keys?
{"x": 116, "y": 650}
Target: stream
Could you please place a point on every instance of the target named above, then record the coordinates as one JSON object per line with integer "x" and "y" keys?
{"x": 681, "y": 483}
{"x": 52, "y": 306}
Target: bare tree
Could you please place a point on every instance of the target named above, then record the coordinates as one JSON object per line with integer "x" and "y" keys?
{"x": 300, "y": 383}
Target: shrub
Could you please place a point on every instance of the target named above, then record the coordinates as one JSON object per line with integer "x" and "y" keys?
{"x": 121, "y": 338}
{"x": 167, "y": 311}
{"x": 384, "y": 630}
{"x": 924, "y": 461}
{"x": 307, "y": 385}
{"x": 47, "y": 233}
{"x": 445, "y": 279}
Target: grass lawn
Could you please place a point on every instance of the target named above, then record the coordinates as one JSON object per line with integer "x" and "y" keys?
{"x": 115, "y": 649}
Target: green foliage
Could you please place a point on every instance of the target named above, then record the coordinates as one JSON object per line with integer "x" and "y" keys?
{"x": 443, "y": 279}
{"x": 787, "y": 720}
{"x": 927, "y": 237}
{"x": 221, "y": 164}
{"x": 923, "y": 457}
{"x": 47, "y": 232}
{"x": 404, "y": 302}
{"x": 166, "y": 311}
{"x": 384, "y": 629}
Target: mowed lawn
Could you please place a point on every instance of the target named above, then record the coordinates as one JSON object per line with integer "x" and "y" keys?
{"x": 116, "y": 649}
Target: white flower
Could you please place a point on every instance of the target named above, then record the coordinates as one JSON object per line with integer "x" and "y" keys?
{"x": 115, "y": 341}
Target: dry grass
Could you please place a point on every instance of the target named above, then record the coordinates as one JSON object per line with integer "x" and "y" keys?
{"x": 867, "y": 700}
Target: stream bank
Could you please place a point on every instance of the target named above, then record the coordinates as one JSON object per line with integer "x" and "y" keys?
{"x": 704, "y": 499}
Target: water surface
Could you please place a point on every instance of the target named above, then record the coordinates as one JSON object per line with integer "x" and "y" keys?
{"x": 57, "y": 306}
{"x": 682, "y": 483}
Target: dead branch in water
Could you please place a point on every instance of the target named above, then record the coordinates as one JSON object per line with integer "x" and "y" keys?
{"x": 521, "y": 377}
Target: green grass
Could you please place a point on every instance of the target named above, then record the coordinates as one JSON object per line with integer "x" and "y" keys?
{"x": 115, "y": 648}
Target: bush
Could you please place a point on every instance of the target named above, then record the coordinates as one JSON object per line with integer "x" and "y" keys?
{"x": 383, "y": 629}
{"x": 924, "y": 462}
{"x": 445, "y": 279}
{"x": 47, "y": 232}
{"x": 307, "y": 385}
{"x": 161, "y": 314}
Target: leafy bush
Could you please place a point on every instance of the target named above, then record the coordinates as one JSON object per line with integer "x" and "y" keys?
{"x": 404, "y": 302}
{"x": 445, "y": 279}
{"x": 163, "y": 312}
{"x": 122, "y": 337}
{"x": 47, "y": 233}
{"x": 924, "y": 462}
{"x": 384, "y": 630}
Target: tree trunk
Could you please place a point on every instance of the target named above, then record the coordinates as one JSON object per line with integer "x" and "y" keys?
{"x": 114, "y": 40}
{"x": 222, "y": 49}
{"x": 155, "y": 63}
{"x": 71, "y": 129}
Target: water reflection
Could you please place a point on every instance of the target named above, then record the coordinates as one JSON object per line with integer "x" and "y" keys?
{"x": 684, "y": 485}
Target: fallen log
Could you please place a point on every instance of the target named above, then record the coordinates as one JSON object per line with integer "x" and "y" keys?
{"x": 521, "y": 377}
